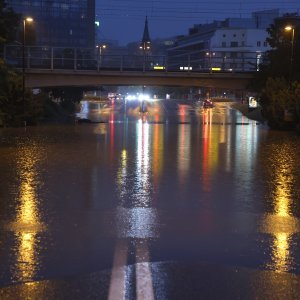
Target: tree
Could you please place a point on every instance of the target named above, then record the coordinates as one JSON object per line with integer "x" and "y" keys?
{"x": 9, "y": 23}
{"x": 60, "y": 103}
{"x": 280, "y": 102}
{"x": 278, "y": 81}
{"x": 277, "y": 61}
{"x": 284, "y": 46}
{"x": 13, "y": 110}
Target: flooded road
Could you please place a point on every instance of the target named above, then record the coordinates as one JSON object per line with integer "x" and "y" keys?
{"x": 174, "y": 203}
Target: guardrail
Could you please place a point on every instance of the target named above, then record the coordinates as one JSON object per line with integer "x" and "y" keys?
{"x": 52, "y": 58}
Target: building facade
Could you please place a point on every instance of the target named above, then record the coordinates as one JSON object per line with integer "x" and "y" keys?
{"x": 58, "y": 23}
{"x": 235, "y": 44}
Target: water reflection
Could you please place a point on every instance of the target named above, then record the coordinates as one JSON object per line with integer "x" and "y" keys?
{"x": 95, "y": 111}
{"x": 283, "y": 173}
{"x": 137, "y": 222}
{"x": 228, "y": 149}
{"x": 140, "y": 213}
{"x": 157, "y": 152}
{"x": 142, "y": 186}
{"x": 122, "y": 174}
{"x": 184, "y": 113}
{"x": 137, "y": 217}
{"x": 281, "y": 253}
{"x": 28, "y": 222}
{"x": 207, "y": 150}
{"x": 282, "y": 166}
{"x": 184, "y": 151}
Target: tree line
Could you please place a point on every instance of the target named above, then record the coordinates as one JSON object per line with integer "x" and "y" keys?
{"x": 18, "y": 105}
{"x": 278, "y": 81}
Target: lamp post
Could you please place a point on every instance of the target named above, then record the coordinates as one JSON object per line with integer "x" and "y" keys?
{"x": 210, "y": 55}
{"x": 291, "y": 28}
{"x": 29, "y": 20}
{"x": 100, "y": 47}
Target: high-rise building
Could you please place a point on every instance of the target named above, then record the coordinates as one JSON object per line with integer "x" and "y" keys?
{"x": 60, "y": 23}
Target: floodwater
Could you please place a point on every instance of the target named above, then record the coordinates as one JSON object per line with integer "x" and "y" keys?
{"x": 174, "y": 203}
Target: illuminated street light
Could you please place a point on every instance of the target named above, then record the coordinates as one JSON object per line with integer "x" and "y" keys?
{"x": 291, "y": 28}
{"x": 100, "y": 47}
{"x": 25, "y": 20}
{"x": 210, "y": 55}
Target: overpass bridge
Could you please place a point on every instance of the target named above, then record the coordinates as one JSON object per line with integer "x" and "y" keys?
{"x": 48, "y": 78}
{"x": 48, "y": 67}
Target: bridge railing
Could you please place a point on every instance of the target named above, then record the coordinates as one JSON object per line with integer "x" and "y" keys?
{"x": 89, "y": 59}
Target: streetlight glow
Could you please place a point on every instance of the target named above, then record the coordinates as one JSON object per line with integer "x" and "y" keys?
{"x": 291, "y": 28}
{"x": 209, "y": 55}
{"x": 29, "y": 19}
{"x": 288, "y": 28}
{"x": 100, "y": 47}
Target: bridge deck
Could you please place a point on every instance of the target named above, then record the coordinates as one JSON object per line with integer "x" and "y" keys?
{"x": 47, "y": 78}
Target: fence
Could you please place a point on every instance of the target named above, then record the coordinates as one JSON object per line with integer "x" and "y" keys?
{"x": 90, "y": 59}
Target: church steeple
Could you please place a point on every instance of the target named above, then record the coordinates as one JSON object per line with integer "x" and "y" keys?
{"x": 146, "y": 42}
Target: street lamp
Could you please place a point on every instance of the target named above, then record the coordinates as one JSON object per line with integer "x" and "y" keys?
{"x": 25, "y": 20}
{"x": 210, "y": 55}
{"x": 100, "y": 47}
{"x": 291, "y": 28}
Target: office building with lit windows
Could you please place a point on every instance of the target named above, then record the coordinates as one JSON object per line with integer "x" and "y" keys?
{"x": 232, "y": 44}
{"x": 57, "y": 23}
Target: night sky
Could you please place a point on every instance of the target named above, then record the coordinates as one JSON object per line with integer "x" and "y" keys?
{"x": 123, "y": 20}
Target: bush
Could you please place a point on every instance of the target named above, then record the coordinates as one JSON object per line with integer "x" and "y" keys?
{"x": 280, "y": 103}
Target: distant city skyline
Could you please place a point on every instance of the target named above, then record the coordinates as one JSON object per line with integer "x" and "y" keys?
{"x": 123, "y": 20}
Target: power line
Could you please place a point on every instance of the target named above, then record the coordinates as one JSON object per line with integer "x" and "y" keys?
{"x": 174, "y": 10}
{"x": 203, "y": 2}
{"x": 184, "y": 10}
{"x": 180, "y": 14}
